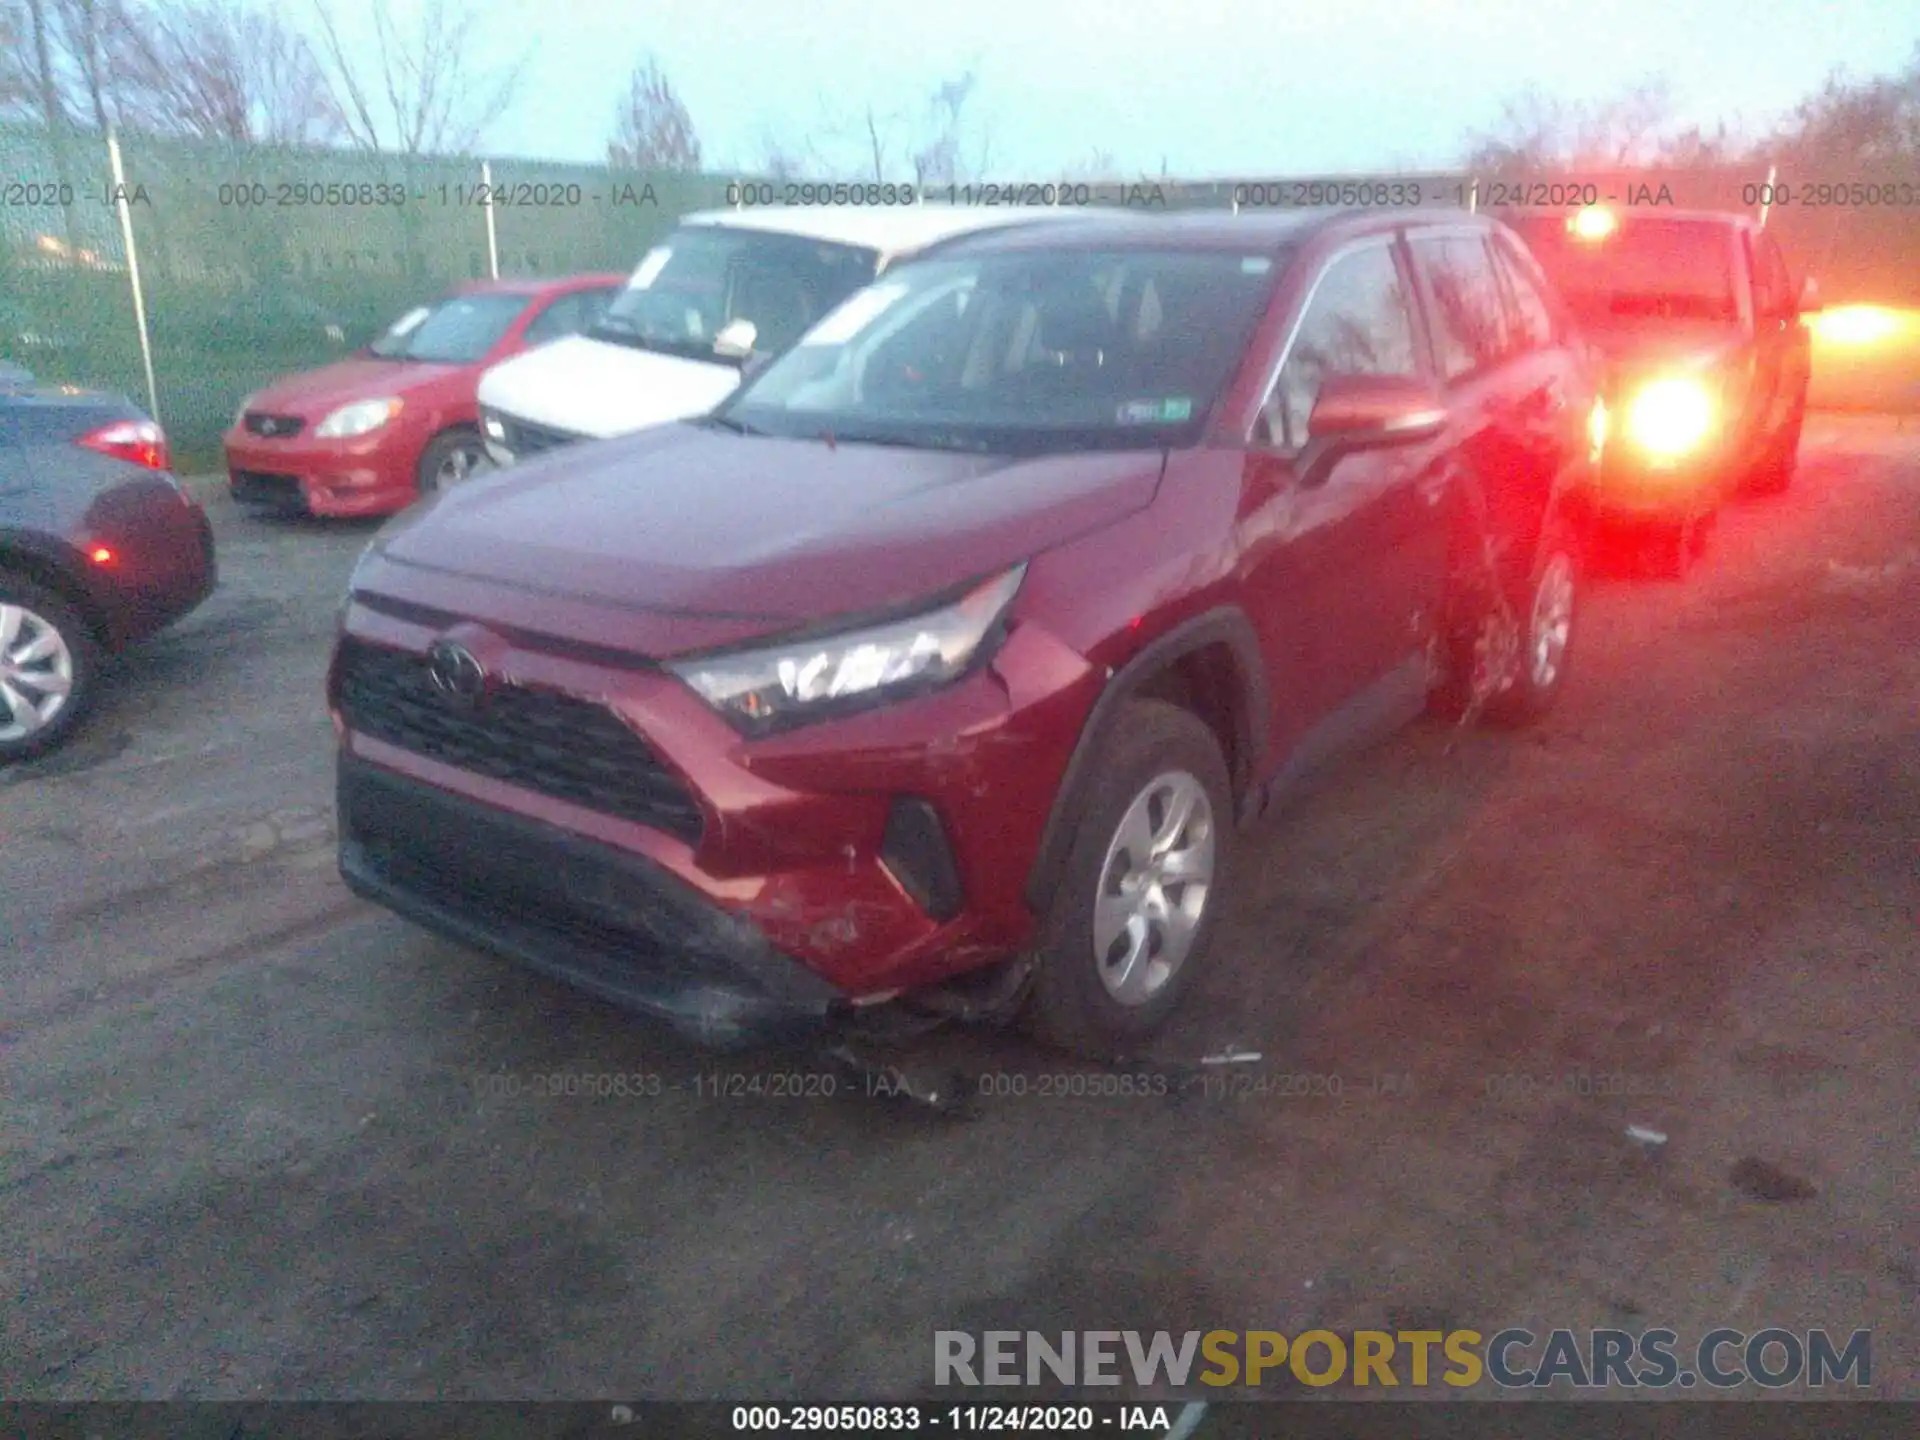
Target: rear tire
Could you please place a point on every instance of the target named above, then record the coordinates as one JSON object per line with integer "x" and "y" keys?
{"x": 49, "y": 662}
{"x": 1132, "y": 843}
{"x": 1549, "y": 613}
{"x": 1774, "y": 474}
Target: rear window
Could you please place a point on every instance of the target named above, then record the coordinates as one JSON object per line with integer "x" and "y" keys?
{"x": 1644, "y": 268}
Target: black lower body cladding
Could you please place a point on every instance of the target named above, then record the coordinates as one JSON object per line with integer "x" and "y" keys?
{"x": 610, "y": 923}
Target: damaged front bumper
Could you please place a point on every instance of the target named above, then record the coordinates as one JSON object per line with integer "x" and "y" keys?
{"x": 604, "y": 920}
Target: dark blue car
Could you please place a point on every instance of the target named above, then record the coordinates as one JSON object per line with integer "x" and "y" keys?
{"x": 99, "y": 547}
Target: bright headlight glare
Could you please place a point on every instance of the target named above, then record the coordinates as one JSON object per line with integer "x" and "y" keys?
{"x": 1672, "y": 417}
{"x": 360, "y": 418}
{"x": 761, "y": 688}
{"x": 1598, "y": 424}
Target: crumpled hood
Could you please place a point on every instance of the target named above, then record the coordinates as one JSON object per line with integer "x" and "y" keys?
{"x": 596, "y": 387}
{"x": 690, "y": 521}
{"x": 314, "y": 393}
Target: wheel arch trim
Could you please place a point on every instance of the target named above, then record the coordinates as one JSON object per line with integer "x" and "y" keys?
{"x": 1226, "y": 625}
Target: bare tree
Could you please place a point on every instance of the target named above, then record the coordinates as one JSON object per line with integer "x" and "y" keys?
{"x": 95, "y": 41}
{"x": 218, "y": 70}
{"x": 16, "y": 69}
{"x": 938, "y": 162}
{"x": 414, "y": 93}
{"x": 653, "y": 130}
{"x": 1537, "y": 131}
{"x": 927, "y": 141}
{"x": 39, "y": 72}
{"x": 781, "y": 161}
{"x": 876, "y": 146}
{"x": 1857, "y": 122}
{"x": 1096, "y": 167}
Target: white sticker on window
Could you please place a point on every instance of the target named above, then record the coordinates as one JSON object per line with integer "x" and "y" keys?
{"x": 1255, "y": 265}
{"x": 650, "y": 268}
{"x": 859, "y": 311}
{"x": 410, "y": 321}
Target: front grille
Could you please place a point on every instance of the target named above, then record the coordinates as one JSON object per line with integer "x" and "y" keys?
{"x": 517, "y": 878}
{"x": 254, "y": 488}
{"x": 273, "y": 427}
{"x": 554, "y": 744}
{"x": 524, "y": 439}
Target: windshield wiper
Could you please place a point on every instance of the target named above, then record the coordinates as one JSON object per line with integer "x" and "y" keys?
{"x": 634, "y": 338}
{"x": 737, "y": 427}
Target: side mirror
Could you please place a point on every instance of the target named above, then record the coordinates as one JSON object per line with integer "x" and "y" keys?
{"x": 1810, "y": 303}
{"x": 735, "y": 340}
{"x": 1366, "y": 412}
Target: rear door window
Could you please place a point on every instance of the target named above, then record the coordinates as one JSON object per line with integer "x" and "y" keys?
{"x": 1470, "y": 331}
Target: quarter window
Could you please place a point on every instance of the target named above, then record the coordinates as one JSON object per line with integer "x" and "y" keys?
{"x": 1531, "y": 318}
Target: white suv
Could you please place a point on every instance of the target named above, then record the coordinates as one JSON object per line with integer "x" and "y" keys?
{"x": 726, "y": 287}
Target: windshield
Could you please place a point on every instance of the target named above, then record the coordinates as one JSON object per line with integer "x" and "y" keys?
{"x": 706, "y": 277}
{"x": 1021, "y": 352}
{"x": 456, "y": 331}
{"x": 1646, "y": 268}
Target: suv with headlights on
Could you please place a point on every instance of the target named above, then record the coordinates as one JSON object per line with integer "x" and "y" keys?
{"x": 940, "y": 664}
{"x": 1706, "y": 360}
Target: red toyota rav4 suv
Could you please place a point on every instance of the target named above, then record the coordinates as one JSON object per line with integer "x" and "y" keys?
{"x": 939, "y": 665}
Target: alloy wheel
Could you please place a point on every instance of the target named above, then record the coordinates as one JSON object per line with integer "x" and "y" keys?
{"x": 1154, "y": 888}
{"x": 1552, "y": 621}
{"x": 36, "y": 672}
{"x": 460, "y": 463}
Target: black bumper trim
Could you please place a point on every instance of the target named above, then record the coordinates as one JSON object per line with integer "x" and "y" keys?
{"x": 609, "y": 923}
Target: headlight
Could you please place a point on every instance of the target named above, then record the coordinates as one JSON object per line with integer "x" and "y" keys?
{"x": 1673, "y": 417}
{"x": 492, "y": 424}
{"x": 1598, "y": 423}
{"x": 241, "y": 413}
{"x": 360, "y": 418}
{"x": 765, "y": 689}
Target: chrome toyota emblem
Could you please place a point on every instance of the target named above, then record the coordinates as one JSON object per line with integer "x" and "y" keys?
{"x": 455, "y": 672}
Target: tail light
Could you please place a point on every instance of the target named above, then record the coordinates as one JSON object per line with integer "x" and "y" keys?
{"x": 140, "y": 442}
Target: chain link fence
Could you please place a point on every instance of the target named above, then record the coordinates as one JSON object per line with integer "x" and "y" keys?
{"x": 255, "y": 261}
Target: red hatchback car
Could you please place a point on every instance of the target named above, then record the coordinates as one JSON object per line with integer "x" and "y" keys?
{"x": 940, "y": 664}
{"x": 370, "y": 434}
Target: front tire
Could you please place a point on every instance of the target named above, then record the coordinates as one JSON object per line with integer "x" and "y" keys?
{"x": 451, "y": 457}
{"x": 48, "y": 665}
{"x": 1135, "y": 911}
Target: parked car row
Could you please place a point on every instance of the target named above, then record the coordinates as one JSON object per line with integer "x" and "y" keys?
{"x": 944, "y": 590}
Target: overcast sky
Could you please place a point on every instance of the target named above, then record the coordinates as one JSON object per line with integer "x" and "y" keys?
{"x": 1213, "y": 87}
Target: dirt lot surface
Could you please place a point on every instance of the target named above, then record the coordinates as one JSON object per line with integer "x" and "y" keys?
{"x": 262, "y": 1139}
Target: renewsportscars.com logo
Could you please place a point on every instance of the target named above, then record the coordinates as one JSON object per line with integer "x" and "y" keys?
{"x": 1512, "y": 1359}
